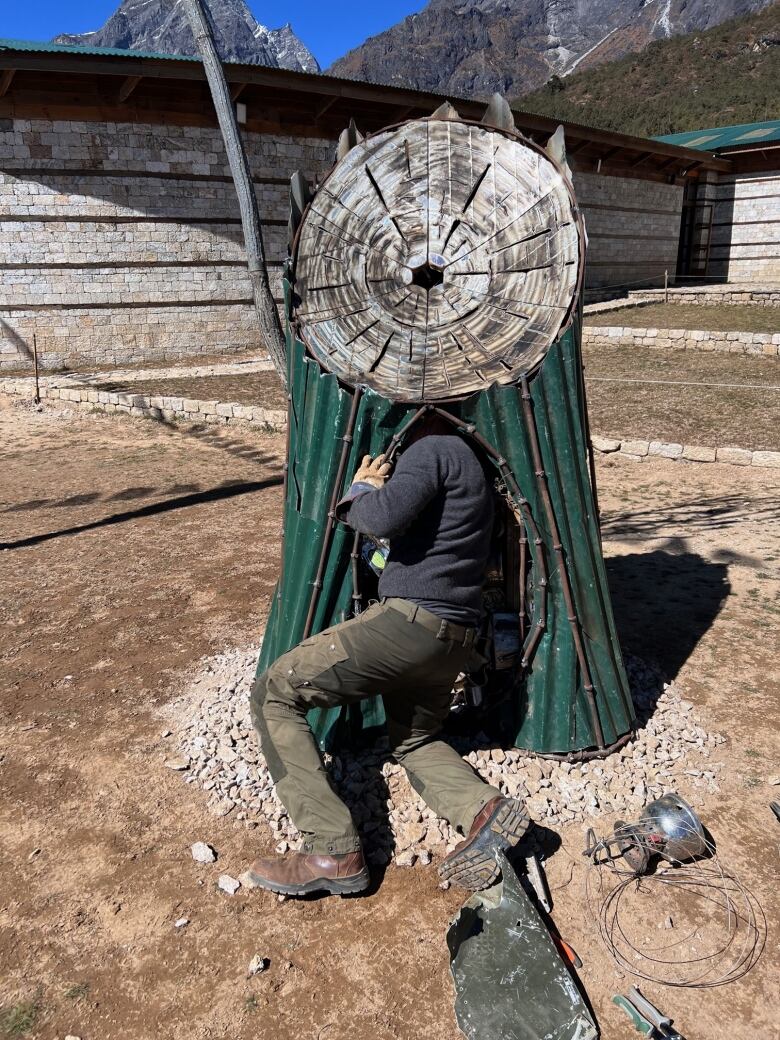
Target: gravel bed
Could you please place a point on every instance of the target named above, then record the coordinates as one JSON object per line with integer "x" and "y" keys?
{"x": 216, "y": 749}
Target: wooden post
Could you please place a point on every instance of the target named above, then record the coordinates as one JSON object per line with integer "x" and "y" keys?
{"x": 37, "y": 397}
{"x": 666, "y": 286}
{"x": 270, "y": 327}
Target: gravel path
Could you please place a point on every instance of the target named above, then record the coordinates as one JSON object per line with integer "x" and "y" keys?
{"x": 219, "y": 752}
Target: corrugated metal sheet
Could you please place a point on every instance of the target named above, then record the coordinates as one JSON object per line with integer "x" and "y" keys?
{"x": 715, "y": 139}
{"x": 550, "y": 705}
{"x": 43, "y": 47}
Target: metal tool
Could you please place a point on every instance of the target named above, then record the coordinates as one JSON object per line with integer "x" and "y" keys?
{"x": 538, "y": 879}
{"x": 646, "y": 1017}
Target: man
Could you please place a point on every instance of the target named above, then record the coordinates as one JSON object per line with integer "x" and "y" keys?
{"x": 437, "y": 512}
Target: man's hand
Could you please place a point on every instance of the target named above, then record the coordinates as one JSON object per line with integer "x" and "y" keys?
{"x": 372, "y": 471}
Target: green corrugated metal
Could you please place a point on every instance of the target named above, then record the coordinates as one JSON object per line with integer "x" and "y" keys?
{"x": 43, "y": 47}
{"x": 550, "y": 707}
{"x": 713, "y": 140}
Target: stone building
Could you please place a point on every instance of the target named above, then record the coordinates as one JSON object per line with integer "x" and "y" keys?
{"x": 120, "y": 238}
{"x": 731, "y": 219}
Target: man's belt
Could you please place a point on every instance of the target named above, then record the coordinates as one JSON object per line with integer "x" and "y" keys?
{"x": 463, "y": 634}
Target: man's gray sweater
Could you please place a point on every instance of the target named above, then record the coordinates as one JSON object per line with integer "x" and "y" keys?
{"x": 437, "y": 512}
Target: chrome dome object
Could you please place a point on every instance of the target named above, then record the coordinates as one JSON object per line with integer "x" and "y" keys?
{"x": 668, "y": 827}
{"x": 673, "y": 829}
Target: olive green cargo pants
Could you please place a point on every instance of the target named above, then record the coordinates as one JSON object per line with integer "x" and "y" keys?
{"x": 389, "y": 651}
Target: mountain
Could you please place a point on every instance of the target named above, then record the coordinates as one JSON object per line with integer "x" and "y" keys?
{"x": 729, "y": 74}
{"x": 162, "y": 26}
{"x": 475, "y": 47}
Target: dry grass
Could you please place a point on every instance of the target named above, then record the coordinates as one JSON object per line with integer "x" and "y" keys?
{"x": 708, "y": 415}
{"x": 253, "y": 388}
{"x": 715, "y": 318}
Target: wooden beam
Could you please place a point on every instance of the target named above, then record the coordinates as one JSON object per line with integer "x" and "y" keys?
{"x": 268, "y": 317}
{"x": 669, "y": 162}
{"x": 6, "y": 78}
{"x": 327, "y": 104}
{"x": 640, "y": 159}
{"x": 236, "y": 90}
{"x": 127, "y": 88}
{"x": 577, "y": 147}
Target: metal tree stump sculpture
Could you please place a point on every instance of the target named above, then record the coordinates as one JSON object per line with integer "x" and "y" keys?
{"x": 438, "y": 267}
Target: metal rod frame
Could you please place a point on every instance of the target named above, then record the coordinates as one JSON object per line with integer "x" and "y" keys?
{"x": 331, "y": 524}
{"x": 571, "y": 612}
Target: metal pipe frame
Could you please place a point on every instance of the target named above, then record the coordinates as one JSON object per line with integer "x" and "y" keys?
{"x": 544, "y": 491}
{"x": 331, "y": 524}
{"x": 525, "y": 516}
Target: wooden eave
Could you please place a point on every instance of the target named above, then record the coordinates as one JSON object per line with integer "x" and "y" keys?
{"x": 58, "y": 84}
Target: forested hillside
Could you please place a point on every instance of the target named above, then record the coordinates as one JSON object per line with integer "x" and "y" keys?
{"x": 729, "y": 74}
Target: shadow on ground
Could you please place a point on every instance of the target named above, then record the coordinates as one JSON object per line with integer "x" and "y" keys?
{"x": 665, "y": 602}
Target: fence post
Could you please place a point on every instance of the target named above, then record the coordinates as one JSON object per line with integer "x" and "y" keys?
{"x": 37, "y": 397}
{"x": 666, "y": 286}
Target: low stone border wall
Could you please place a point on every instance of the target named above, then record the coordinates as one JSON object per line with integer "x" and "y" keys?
{"x": 753, "y": 295}
{"x": 170, "y": 409}
{"x": 638, "y": 450}
{"x": 764, "y": 343}
{"x": 149, "y": 406}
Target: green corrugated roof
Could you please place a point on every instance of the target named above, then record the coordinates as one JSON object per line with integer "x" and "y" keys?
{"x": 42, "y": 47}
{"x": 719, "y": 137}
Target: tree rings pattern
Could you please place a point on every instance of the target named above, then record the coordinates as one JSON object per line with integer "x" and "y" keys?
{"x": 437, "y": 259}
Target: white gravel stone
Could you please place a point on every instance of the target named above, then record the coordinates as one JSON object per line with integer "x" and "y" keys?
{"x": 213, "y": 730}
{"x": 228, "y": 884}
{"x": 181, "y": 923}
{"x": 203, "y": 853}
{"x": 257, "y": 965}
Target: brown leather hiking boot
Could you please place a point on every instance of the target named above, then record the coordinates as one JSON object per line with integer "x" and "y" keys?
{"x": 298, "y": 874}
{"x": 498, "y": 825}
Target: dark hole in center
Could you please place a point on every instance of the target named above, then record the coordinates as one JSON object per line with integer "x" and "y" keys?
{"x": 427, "y": 276}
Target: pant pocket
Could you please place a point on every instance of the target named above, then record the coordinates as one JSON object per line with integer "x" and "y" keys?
{"x": 314, "y": 656}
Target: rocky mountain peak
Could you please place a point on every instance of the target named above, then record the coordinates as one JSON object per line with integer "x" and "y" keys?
{"x": 161, "y": 26}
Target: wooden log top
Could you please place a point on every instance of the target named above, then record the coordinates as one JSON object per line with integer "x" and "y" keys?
{"x": 436, "y": 259}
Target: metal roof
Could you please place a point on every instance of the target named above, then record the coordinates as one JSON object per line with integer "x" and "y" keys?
{"x": 287, "y": 92}
{"x": 721, "y": 137}
{"x": 43, "y": 47}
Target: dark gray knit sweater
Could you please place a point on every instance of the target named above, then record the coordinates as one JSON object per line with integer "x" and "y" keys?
{"x": 437, "y": 512}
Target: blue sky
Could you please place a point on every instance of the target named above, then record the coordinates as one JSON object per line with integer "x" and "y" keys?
{"x": 329, "y": 28}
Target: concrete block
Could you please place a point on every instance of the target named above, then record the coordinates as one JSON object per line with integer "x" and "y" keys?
{"x": 605, "y": 444}
{"x": 769, "y": 459}
{"x": 664, "y": 449}
{"x": 698, "y": 453}
{"x": 734, "y": 456}
{"x": 638, "y": 448}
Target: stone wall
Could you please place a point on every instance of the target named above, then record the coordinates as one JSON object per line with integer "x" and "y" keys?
{"x": 633, "y": 228}
{"x": 122, "y": 242}
{"x": 745, "y": 240}
{"x": 764, "y": 343}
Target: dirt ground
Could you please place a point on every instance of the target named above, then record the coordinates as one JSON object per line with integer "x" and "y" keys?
{"x": 684, "y": 396}
{"x": 131, "y": 550}
{"x": 716, "y": 317}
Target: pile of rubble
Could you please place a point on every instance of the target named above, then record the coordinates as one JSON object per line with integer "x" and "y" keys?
{"x": 217, "y": 749}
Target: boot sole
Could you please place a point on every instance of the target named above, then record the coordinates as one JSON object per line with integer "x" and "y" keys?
{"x": 475, "y": 867}
{"x": 334, "y": 886}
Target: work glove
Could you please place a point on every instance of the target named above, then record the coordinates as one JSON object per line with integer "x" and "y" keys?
{"x": 372, "y": 471}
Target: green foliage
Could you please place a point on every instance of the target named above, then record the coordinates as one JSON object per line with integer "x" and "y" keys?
{"x": 78, "y": 991}
{"x": 729, "y": 74}
{"x": 19, "y": 1019}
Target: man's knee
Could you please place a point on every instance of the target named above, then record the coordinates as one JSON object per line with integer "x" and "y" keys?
{"x": 269, "y": 688}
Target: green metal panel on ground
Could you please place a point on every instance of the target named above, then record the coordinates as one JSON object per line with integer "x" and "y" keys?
{"x": 510, "y": 260}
